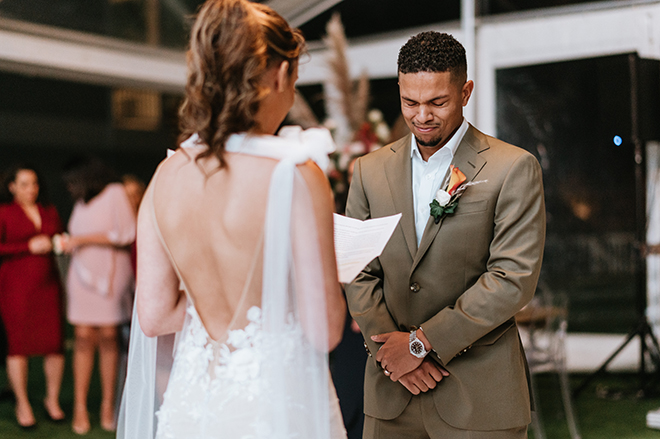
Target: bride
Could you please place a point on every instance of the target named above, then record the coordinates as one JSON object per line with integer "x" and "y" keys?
{"x": 235, "y": 252}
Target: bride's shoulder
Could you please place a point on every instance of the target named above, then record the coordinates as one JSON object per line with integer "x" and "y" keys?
{"x": 170, "y": 169}
{"x": 313, "y": 175}
{"x": 186, "y": 154}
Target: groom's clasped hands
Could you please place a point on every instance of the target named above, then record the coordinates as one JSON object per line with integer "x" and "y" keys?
{"x": 415, "y": 374}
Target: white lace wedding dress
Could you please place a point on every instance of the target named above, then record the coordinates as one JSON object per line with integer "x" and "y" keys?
{"x": 264, "y": 378}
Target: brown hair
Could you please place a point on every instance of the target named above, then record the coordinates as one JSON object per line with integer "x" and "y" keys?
{"x": 86, "y": 176}
{"x": 9, "y": 176}
{"x": 233, "y": 42}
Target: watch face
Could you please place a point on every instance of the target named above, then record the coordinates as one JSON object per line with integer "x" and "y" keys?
{"x": 417, "y": 348}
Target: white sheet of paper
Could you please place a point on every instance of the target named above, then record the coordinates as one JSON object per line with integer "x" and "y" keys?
{"x": 359, "y": 242}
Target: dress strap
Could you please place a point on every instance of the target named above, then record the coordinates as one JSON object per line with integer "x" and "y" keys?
{"x": 152, "y": 211}
{"x": 248, "y": 281}
{"x": 182, "y": 283}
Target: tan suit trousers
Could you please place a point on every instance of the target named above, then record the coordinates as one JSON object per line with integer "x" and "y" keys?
{"x": 420, "y": 420}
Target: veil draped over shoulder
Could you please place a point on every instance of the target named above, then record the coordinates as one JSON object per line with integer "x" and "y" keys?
{"x": 295, "y": 394}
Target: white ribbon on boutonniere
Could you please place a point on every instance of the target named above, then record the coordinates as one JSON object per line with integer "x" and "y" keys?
{"x": 446, "y": 200}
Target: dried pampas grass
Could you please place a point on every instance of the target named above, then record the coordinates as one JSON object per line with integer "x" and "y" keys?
{"x": 360, "y": 101}
{"x": 353, "y": 99}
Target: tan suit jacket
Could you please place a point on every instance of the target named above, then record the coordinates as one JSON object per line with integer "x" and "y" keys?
{"x": 471, "y": 273}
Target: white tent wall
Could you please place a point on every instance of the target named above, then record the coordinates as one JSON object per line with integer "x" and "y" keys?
{"x": 38, "y": 50}
{"x": 653, "y": 235}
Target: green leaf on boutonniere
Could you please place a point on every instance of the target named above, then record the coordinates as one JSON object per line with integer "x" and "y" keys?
{"x": 451, "y": 207}
{"x": 436, "y": 209}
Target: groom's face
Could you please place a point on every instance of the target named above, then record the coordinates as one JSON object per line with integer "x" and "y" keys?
{"x": 432, "y": 105}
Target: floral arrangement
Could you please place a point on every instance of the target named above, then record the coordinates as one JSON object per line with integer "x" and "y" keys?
{"x": 372, "y": 134}
{"x": 355, "y": 129}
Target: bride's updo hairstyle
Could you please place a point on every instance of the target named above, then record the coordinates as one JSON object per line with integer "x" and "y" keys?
{"x": 232, "y": 44}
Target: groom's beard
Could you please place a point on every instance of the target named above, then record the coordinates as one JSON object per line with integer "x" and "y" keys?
{"x": 433, "y": 142}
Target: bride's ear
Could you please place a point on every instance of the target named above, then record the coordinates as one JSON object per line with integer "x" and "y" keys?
{"x": 282, "y": 77}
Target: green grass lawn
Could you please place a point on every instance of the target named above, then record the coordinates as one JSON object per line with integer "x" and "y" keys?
{"x": 608, "y": 408}
{"x": 9, "y": 429}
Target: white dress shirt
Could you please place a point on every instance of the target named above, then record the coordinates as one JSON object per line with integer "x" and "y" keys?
{"x": 428, "y": 176}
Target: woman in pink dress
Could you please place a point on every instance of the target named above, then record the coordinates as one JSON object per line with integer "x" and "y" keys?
{"x": 100, "y": 281}
{"x": 30, "y": 291}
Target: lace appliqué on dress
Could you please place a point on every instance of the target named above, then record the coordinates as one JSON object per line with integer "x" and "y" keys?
{"x": 215, "y": 389}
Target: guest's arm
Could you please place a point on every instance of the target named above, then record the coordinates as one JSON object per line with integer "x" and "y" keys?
{"x": 76, "y": 241}
{"x": 122, "y": 232}
{"x": 13, "y": 248}
{"x": 39, "y": 244}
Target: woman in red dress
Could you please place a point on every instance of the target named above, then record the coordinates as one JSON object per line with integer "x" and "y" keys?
{"x": 30, "y": 292}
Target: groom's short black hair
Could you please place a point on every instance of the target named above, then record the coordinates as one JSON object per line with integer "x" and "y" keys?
{"x": 433, "y": 52}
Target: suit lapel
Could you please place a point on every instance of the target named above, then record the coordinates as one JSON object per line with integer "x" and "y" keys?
{"x": 398, "y": 170}
{"x": 468, "y": 160}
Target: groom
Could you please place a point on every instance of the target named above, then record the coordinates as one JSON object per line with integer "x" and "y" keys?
{"x": 437, "y": 307}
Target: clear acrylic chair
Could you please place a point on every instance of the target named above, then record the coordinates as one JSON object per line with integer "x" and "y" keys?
{"x": 543, "y": 325}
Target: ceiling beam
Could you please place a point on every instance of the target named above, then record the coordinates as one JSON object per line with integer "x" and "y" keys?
{"x": 299, "y": 12}
{"x": 63, "y": 54}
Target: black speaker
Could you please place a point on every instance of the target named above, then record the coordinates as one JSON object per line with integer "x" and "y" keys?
{"x": 648, "y": 73}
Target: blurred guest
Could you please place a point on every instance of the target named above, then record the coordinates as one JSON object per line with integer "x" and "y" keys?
{"x": 100, "y": 280}
{"x": 6, "y": 394}
{"x": 134, "y": 188}
{"x": 30, "y": 291}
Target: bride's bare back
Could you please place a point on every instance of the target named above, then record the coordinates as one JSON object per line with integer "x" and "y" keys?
{"x": 211, "y": 220}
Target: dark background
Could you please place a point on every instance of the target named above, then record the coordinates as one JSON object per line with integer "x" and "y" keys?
{"x": 567, "y": 114}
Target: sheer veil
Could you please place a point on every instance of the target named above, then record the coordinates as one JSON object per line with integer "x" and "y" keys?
{"x": 296, "y": 394}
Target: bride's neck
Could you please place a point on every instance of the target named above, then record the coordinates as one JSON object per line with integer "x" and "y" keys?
{"x": 265, "y": 123}
{"x": 260, "y": 131}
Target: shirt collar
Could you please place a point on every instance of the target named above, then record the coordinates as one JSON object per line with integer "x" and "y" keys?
{"x": 451, "y": 145}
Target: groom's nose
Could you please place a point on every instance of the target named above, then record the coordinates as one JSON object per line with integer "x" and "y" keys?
{"x": 425, "y": 114}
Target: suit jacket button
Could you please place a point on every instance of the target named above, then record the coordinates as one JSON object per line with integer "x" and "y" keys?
{"x": 414, "y": 287}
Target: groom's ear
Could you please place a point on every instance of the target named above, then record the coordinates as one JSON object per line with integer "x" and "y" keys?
{"x": 282, "y": 77}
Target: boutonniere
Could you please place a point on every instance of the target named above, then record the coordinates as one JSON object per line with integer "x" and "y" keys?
{"x": 446, "y": 200}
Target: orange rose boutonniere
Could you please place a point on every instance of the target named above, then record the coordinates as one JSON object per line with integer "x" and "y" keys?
{"x": 446, "y": 200}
